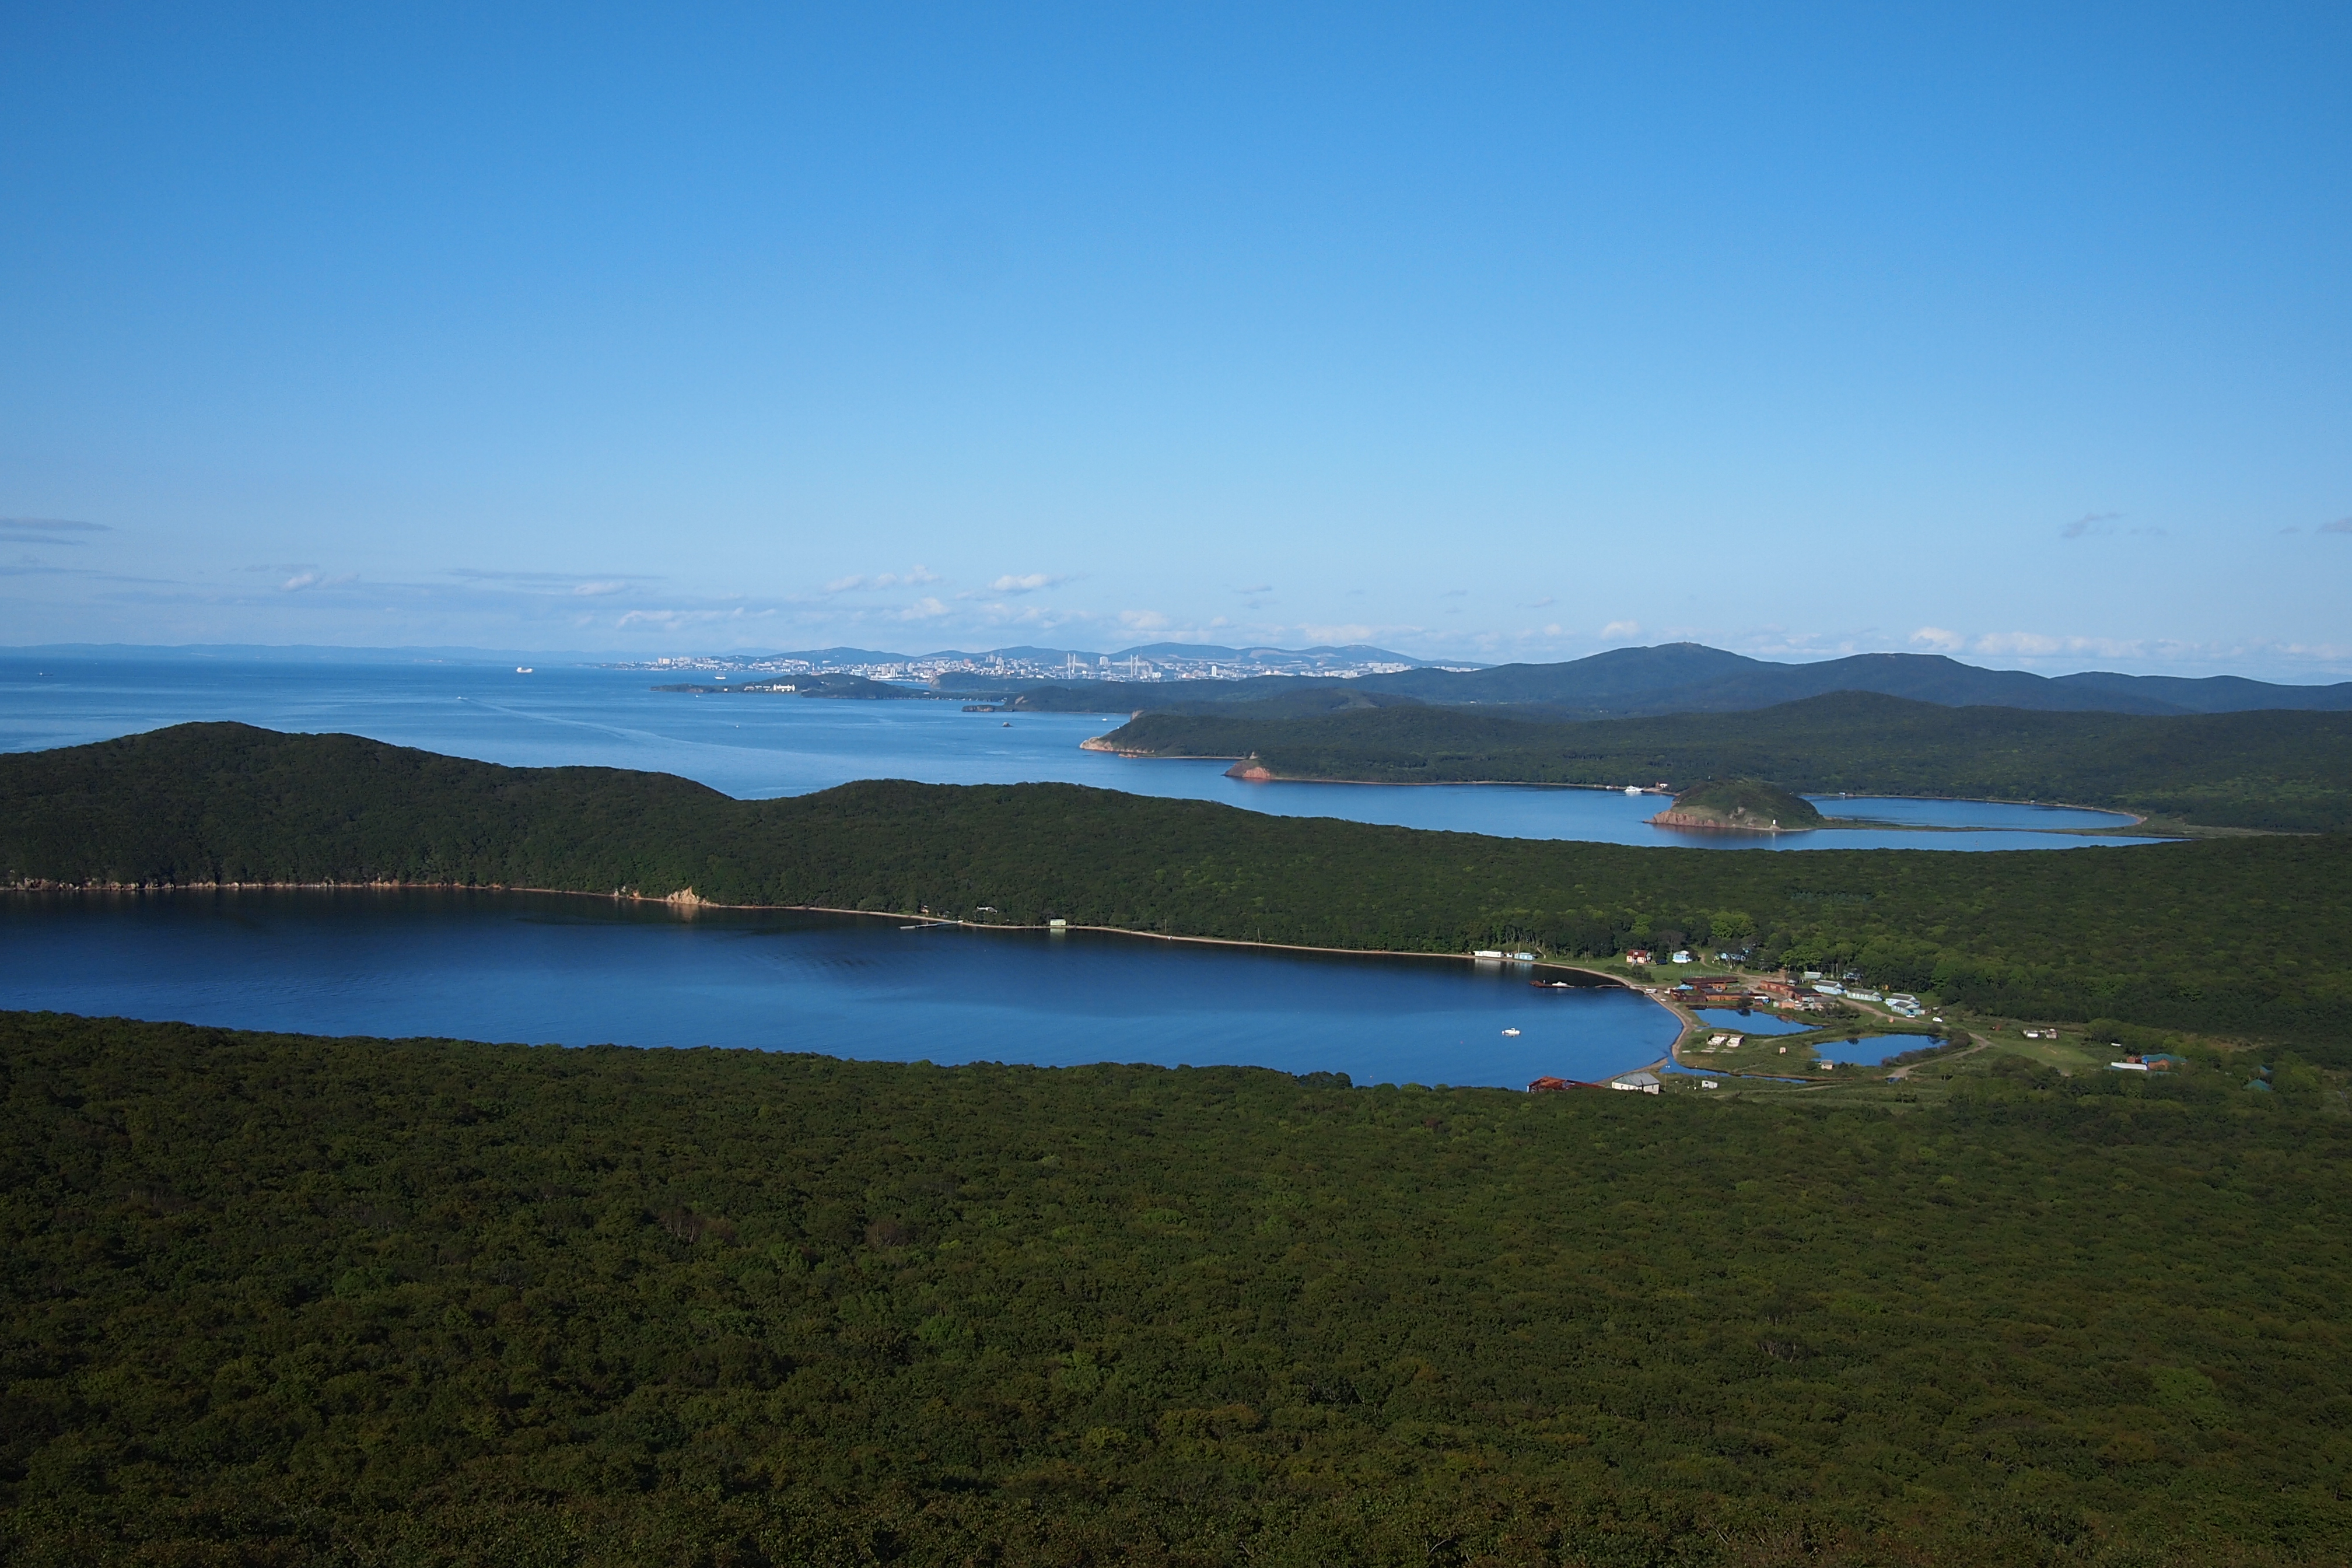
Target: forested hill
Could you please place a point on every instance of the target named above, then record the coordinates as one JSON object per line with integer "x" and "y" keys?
{"x": 276, "y": 1301}
{"x": 1686, "y": 678}
{"x": 2279, "y": 770}
{"x": 2247, "y": 936}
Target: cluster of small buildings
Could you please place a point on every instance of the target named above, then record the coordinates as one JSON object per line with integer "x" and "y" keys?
{"x": 1644, "y": 1082}
{"x": 1716, "y": 991}
{"x": 1902, "y": 1003}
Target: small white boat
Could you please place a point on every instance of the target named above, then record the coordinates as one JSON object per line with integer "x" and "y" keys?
{"x": 1510, "y": 1031}
{"x": 522, "y": 670}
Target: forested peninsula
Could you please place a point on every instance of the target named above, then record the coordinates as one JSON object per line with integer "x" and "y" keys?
{"x": 2276, "y": 771}
{"x": 2246, "y": 937}
{"x": 277, "y": 1299}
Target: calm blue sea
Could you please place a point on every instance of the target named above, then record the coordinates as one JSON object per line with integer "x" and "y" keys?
{"x": 758, "y": 745}
{"x": 582, "y": 971}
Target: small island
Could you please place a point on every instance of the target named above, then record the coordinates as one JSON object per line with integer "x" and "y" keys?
{"x": 1740, "y": 805}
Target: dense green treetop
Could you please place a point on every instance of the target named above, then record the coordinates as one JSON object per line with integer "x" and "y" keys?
{"x": 280, "y": 1299}
{"x": 2249, "y": 936}
{"x": 2287, "y": 771}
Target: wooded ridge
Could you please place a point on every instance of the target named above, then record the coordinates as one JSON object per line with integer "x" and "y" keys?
{"x": 2246, "y": 937}
{"x": 276, "y": 1299}
{"x": 2281, "y": 770}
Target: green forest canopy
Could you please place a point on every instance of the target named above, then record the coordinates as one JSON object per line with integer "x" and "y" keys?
{"x": 2282, "y": 770}
{"x": 2249, "y": 937}
{"x": 285, "y": 1299}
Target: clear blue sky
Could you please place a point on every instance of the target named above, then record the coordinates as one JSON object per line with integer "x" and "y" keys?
{"x": 2022, "y": 332}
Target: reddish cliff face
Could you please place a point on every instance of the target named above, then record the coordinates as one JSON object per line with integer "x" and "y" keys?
{"x": 1736, "y": 824}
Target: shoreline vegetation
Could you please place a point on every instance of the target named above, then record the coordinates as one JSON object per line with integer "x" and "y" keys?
{"x": 1252, "y": 770}
{"x": 2272, "y": 771}
{"x": 276, "y": 1298}
{"x": 2025, "y": 934}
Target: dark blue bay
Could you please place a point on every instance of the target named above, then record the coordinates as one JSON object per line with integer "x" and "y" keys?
{"x": 582, "y": 971}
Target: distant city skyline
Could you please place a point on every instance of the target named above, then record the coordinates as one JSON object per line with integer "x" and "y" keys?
{"x": 1503, "y": 335}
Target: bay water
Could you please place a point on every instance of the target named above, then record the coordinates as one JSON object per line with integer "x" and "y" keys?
{"x": 756, "y": 745}
{"x": 576, "y": 971}
{"x": 587, "y": 971}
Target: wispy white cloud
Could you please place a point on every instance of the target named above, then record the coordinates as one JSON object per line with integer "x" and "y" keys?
{"x": 1028, "y": 583}
{"x": 2101, "y": 525}
{"x": 315, "y": 579}
{"x": 1622, "y": 629}
{"x": 1349, "y": 632}
{"x": 883, "y": 581}
{"x": 2073, "y": 647}
{"x": 2044, "y": 645}
{"x": 46, "y": 531}
{"x": 572, "y": 584}
{"x": 675, "y": 619}
{"x": 1143, "y": 620}
{"x": 923, "y": 609}
{"x": 27, "y": 567}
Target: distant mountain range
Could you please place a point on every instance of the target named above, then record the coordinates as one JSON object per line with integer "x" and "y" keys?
{"x": 1688, "y": 678}
{"x": 1674, "y": 677}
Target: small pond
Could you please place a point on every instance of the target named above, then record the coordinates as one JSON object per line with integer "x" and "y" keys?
{"x": 1759, "y": 1022}
{"x": 1872, "y": 1050}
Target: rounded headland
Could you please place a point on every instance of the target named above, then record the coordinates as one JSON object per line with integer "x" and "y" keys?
{"x": 1740, "y": 805}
